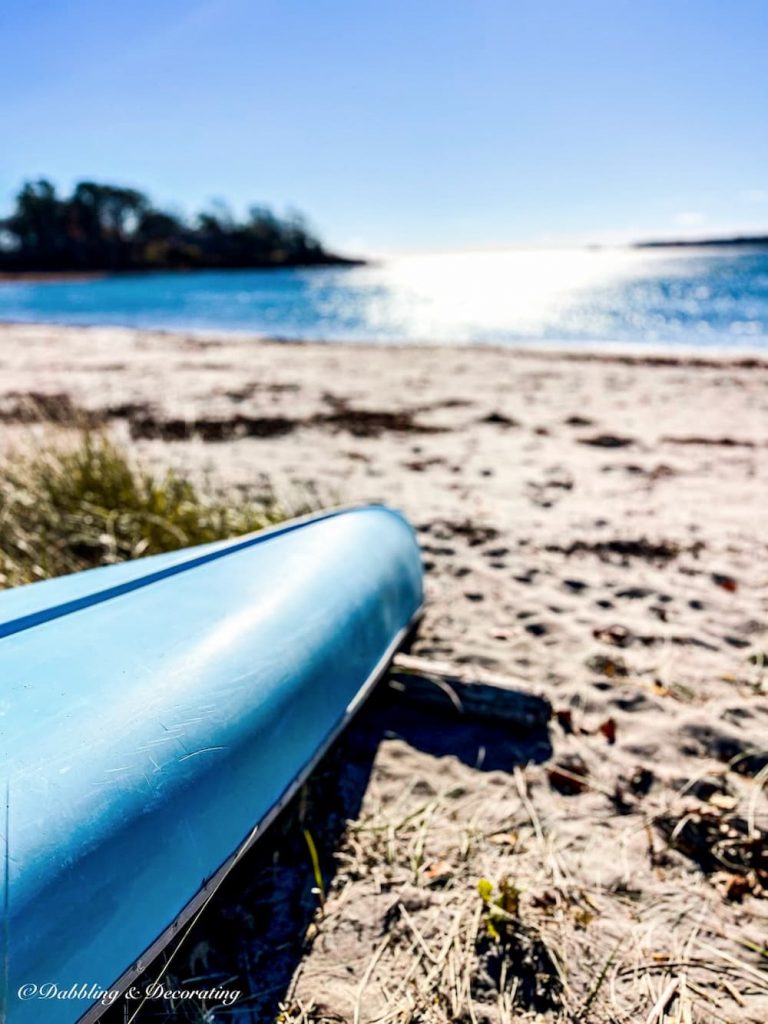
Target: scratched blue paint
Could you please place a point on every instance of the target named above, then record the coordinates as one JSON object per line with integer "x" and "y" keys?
{"x": 152, "y": 714}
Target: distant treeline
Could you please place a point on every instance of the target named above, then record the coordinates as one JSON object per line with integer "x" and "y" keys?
{"x": 103, "y": 227}
{"x": 681, "y": 243}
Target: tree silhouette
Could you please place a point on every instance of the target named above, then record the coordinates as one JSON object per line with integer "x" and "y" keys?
{"x": 103, "y": 227}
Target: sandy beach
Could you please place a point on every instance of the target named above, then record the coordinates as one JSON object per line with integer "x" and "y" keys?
{"x": 593, "y": 528}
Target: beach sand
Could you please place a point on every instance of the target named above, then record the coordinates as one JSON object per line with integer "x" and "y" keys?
{"x": 593, "y": 527}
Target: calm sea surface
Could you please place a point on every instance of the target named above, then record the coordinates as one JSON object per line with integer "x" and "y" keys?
{"x": 694, "y": 298}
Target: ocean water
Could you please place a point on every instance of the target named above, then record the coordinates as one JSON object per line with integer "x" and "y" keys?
{"x": 694, "y": 298}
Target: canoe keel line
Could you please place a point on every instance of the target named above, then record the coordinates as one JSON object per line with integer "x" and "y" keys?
{"x": 158, "y": 728}
{"x": 179, "y": 927}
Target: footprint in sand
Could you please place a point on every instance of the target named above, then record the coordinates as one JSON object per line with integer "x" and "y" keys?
{"x": 634, "y": 593}
{"x": 433, "y": 549}
{"x": 576, "y": 586}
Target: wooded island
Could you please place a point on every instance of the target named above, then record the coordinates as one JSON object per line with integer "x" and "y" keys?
{"x": 106, "y": 228}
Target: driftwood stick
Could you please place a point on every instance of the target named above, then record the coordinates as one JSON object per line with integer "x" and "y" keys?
{"x": 472, "y": 693}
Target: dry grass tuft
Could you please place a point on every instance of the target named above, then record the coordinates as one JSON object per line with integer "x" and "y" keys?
{"x": 85, "y": 504}
{"x": 479, "y": 900}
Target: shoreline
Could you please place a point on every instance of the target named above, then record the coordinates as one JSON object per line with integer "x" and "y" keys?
{"x": 46, "y": 277}
{"x": 66, "y": 276}
{"x": 637, "y": 353}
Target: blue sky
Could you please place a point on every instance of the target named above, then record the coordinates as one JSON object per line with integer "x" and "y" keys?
{"x": 426, "y": 124}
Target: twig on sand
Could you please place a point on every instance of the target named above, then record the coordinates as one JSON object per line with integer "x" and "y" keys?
{"x": 378, "y": 953}
{"x": 416, "y": 933}
{"x": 662, "y": 1002}
{"x": 470, "y": 693}
{"x": 756, "y": 977}
{"x": 599, "y": 981}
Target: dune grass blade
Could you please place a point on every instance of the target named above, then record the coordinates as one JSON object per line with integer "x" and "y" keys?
{"x": 90, "y": 504}
{"x": 316, "y": 870}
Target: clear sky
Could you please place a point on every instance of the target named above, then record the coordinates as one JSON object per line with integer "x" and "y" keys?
{"x": 403, "y": 124}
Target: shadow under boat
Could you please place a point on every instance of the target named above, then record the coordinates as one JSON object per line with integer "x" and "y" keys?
{"x": 254, "y": 932}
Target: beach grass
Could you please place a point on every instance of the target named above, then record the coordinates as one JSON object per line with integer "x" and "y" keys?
{"x": 86, "y": 503}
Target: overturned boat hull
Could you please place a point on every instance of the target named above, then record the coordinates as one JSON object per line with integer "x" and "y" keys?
{"x": 158, "y": 714}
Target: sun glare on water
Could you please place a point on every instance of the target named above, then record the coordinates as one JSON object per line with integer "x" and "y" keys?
{"x": 495, "y": 295}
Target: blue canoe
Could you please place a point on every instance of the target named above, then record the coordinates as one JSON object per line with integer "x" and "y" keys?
{"x": 155, "y": 716}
